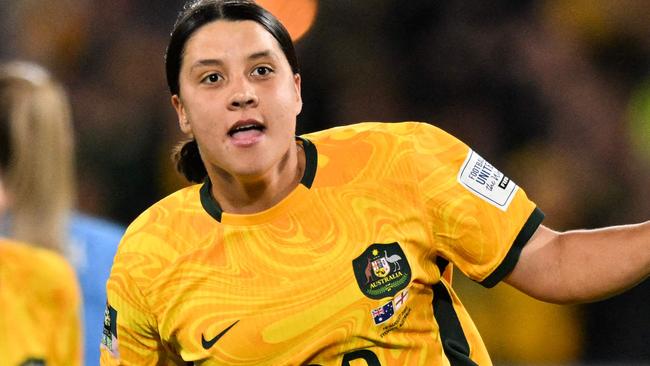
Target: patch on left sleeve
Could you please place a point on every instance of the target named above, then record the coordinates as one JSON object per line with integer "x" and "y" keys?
{"x": 33, "y": 362}
{"x": 486, "y": 182}
{"x": 109, "y": 335}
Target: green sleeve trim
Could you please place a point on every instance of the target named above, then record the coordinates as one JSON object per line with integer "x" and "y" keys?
{"x": 509, "y": 262}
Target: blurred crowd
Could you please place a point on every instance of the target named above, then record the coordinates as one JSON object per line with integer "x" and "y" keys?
{"x": 554, "y": 93}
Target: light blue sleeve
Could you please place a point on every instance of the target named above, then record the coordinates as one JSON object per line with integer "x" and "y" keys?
{"x": 93, "y": 245}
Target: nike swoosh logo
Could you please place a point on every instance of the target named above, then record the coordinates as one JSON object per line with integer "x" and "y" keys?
{"x": 210, "y": 343}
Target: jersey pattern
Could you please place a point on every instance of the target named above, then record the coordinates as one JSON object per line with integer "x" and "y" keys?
{"x": 39, "y": 307}
{"x": 351, "y": 267}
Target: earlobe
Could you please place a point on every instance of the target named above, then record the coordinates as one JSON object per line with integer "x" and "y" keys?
{"x": 183, "y": 122}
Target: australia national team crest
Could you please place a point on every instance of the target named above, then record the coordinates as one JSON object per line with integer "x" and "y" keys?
{"x": 382, "y": 270}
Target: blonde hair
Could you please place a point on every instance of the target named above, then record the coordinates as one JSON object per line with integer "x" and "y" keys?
{"x": 39, "y": 171}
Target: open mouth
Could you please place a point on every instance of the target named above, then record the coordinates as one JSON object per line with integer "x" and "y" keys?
{"x": 246, "y": 127}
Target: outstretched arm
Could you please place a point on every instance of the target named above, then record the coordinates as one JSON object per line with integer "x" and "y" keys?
{"x": 583, "y": 265}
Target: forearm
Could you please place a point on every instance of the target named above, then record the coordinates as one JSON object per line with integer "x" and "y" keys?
{"x": 583, "y": 265}
{"x": 600, "y": 263}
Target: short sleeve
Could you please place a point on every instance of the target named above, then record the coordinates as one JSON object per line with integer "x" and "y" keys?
{"x": 129, "y": 331}
{"x": 480, "y": 219}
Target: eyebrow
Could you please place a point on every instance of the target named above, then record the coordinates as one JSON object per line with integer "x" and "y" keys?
{"x": 219, "y": 62}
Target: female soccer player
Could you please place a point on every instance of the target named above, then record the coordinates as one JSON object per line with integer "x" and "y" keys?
{"x": 331, "y": 247}
{"x": 40, "y": 301}
{"x": 37, "y": 156}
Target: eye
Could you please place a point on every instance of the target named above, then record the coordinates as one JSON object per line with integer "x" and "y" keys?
{"x": 262, "y": 71}
{"x": 211, "y": 78}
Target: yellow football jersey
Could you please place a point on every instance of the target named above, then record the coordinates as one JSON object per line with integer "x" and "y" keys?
{"x": 39, "y": 308}
{"x": 346, "y": 270}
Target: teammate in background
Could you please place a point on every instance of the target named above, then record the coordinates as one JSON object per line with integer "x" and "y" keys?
{"x": 37, "y": 154}
{"x": 39, "y": 304}
{"x": 331, "y": 247}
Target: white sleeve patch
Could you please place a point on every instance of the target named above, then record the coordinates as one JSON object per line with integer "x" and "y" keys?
{"x": 486, "y": 182}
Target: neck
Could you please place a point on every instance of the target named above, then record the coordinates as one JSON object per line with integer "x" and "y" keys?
{"x": 247, "y": 195}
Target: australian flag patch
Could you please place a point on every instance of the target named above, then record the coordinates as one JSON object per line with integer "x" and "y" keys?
{"x": 383, "y": 313}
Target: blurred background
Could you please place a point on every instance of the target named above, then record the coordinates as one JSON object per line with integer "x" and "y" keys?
{"x": 556, "y": 93}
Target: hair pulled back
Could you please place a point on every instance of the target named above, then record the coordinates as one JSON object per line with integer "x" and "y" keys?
{"x": 193, "y": 16}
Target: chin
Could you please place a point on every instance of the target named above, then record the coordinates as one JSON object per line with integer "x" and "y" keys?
{"x": 250, "y": 171}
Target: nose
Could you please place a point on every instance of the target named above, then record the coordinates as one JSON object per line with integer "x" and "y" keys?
{"x": 243, "y": 96}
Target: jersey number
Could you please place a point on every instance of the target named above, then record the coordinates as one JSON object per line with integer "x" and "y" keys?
{"x": 364, "y": 354}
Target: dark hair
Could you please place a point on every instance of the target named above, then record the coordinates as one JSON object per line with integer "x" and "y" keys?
{"x": 195, "y": 14}
{"x": 188, "y": 160}
{"x": 5, "y": 147}
{"x": 5, "y": 132}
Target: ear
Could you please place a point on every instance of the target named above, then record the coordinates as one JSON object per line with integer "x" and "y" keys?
{"x": 183, "y": 121}
{"x": 297, "y": 85}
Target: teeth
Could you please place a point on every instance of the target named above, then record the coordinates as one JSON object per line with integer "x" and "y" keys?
{"x": 245, "y": 128}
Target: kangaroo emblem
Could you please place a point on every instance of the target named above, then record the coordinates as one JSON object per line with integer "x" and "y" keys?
{"x": 369, "y": 271}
